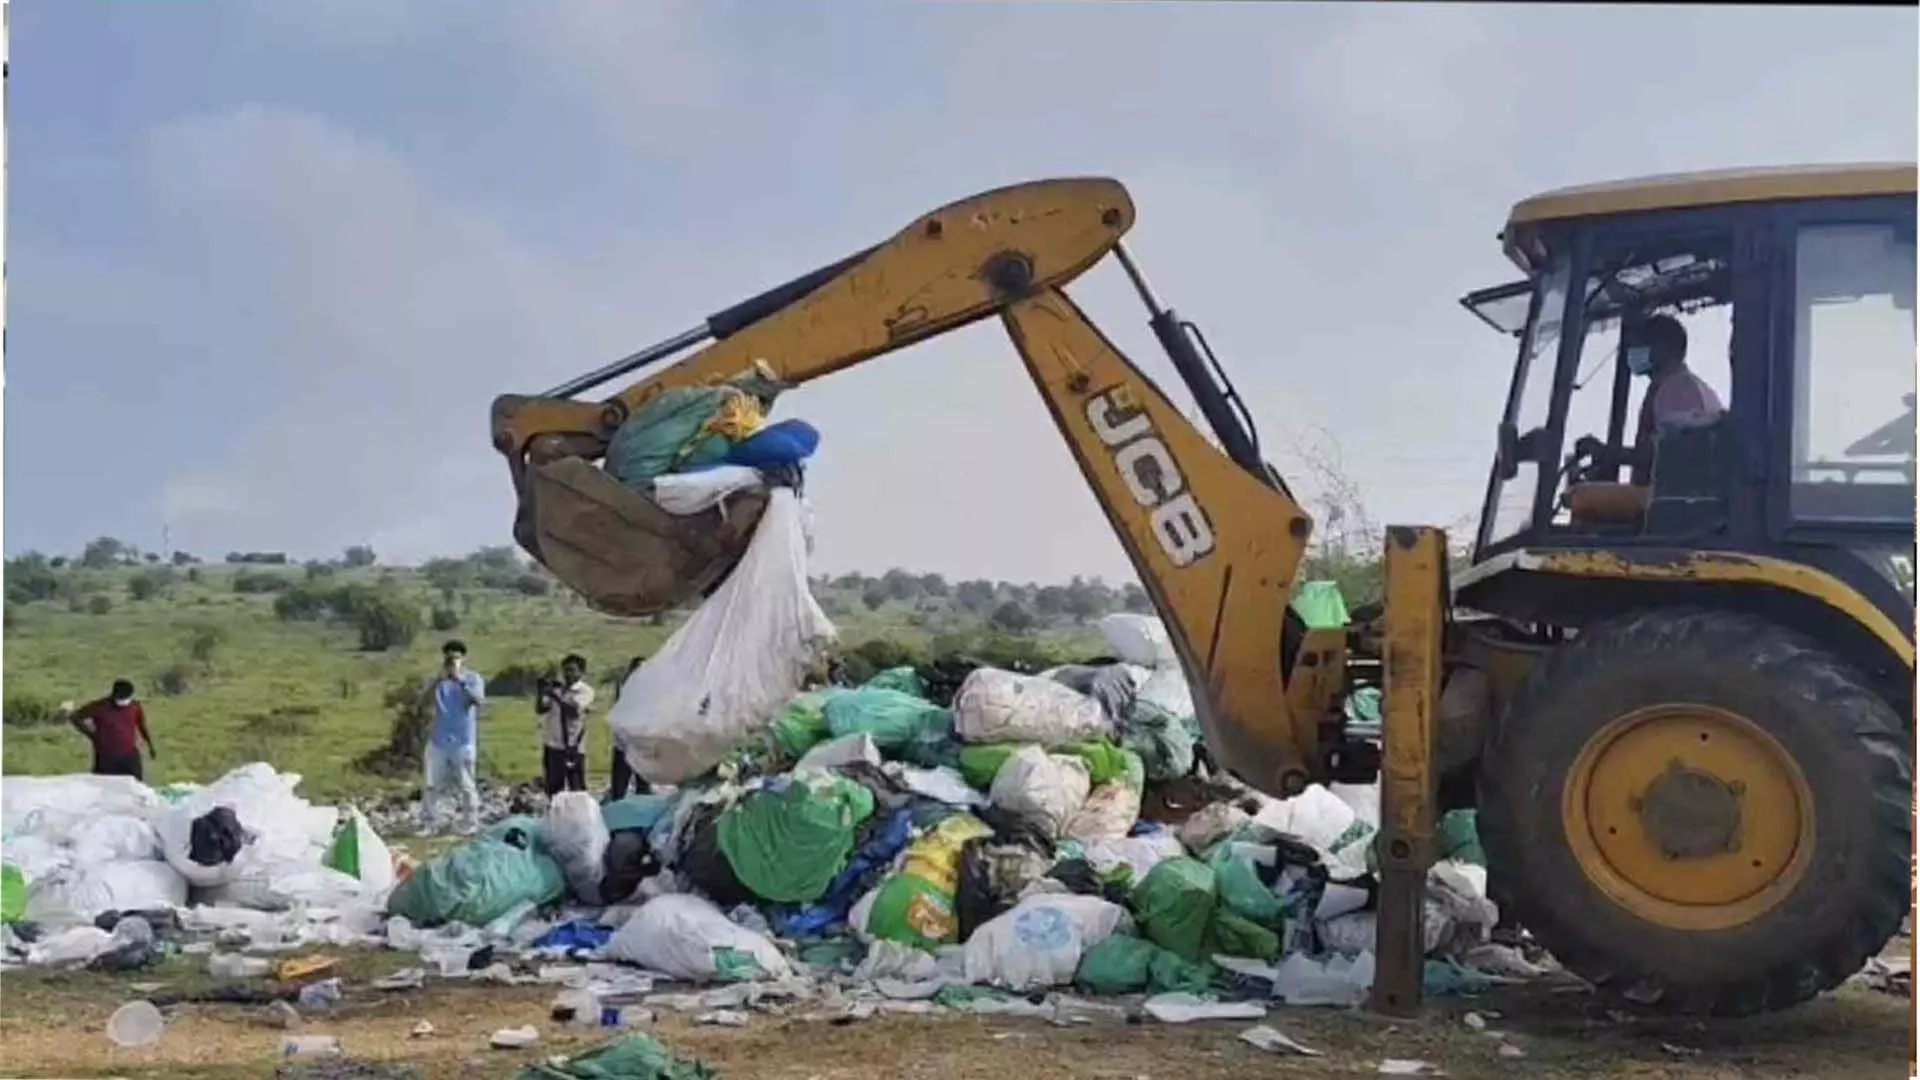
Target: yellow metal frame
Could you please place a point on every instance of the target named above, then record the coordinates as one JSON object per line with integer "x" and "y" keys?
{"x": 1707, "y": 566}
{"x": 1412, "y": 654}
{"x": 1600, "y": 813}
{"x": 1216, "y": 547}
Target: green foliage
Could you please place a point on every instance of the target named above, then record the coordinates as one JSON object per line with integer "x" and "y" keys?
{"x": 319, "y": 571}
{"x": 184, "y": 558}
{"x": 532, "y": 585}
{"x": 1013, "y": 618}
{"x": 151, "y": 584}
{"x": 518, "y": 679}
{"x": 31, "y": 577}
{"x": 30, "y": 710}
{"x": 255, "y": 582}
{"x": 173, "y": 680}
{"x": 282, "y": 721}
{"x": 104, "y": 552}
{"x": 871, "y": 657}
{"x": 257, "y": 558}
{"x": 204, "y": 641}
{"x": 358, "y": 556}
{"x": 303, "y": 604}
{"x": 385, "y": 620}
{"x": 445, "y": 618}
{"x": 99, "y": 605}
{"x": 410, "y": 721}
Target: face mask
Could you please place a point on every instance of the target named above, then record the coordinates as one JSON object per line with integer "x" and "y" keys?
{"x": 1640, "y": 360}
{"x": 123, "y": 701}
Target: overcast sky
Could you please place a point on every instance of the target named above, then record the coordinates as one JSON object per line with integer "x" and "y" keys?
{"x": 270, "y": 261}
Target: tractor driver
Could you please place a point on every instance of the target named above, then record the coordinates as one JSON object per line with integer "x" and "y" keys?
{"x": 1676, "y": 398}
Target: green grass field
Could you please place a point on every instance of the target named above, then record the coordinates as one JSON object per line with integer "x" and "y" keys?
{"x": 226, "y": 681}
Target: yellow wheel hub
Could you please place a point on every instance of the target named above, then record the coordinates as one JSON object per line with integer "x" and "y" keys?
{"x": 1689, "y": 816}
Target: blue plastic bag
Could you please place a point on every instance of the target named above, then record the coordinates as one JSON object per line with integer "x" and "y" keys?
{"x": 787, "y": 442}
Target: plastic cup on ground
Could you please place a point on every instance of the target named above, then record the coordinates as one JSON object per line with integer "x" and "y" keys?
{"x": 137, "y": 1023}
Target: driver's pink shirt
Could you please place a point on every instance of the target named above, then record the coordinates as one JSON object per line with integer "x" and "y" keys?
{"x": 1682, "y": 400}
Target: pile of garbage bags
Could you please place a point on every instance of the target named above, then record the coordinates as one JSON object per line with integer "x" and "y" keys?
{"x": 83, "y": 852}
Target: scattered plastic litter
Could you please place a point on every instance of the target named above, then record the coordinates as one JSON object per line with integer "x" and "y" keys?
{"x": 514, "y": 1038}
{"x": 1408, "y": 1067}
{"x": 137, "y": 1023}
{"x": 1184, "y": 1008}
{"x": 723, "y": 1018}
{"x": 310, "y": 1046}
{"x": 320, "y": 995}
{"x": 1274, "y": 1041}
{"x": 421, "y": 1030}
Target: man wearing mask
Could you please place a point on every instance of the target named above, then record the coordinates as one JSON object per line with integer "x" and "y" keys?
{"x": 454, "y": 746}
{"x": 562, "y": 706}
{"x": 1676, "y": 398}
{"x": 116, "y": 725}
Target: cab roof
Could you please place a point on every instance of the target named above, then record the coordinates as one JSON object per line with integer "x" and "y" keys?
{"x": 1677, "y": 191}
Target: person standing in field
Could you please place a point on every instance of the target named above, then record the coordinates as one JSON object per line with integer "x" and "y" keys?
{"x": 116, "y": 725}
{"x": 623, "y": 774}
{"x": 562, "y": 706}
{"x": 453, "y": 748}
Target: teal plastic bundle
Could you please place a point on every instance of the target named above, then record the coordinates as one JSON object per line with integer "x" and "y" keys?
{"x": 901, "y": 725}
{"x": 665, "y": 435}
{"x": 478, "y": 882}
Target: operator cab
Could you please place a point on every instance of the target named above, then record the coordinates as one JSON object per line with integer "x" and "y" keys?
{"x": 1717, "y": 361}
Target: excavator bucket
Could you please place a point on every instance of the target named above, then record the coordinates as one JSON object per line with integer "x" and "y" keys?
{"x": 621, "y": 552}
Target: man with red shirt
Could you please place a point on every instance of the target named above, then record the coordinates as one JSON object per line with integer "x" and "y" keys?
{"x": 117, "y": 725}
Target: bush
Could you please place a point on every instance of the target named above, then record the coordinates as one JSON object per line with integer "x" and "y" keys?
{"x": 174, "y": 680}
{"x": 358, "y": 555}
{"x": 445, "y": 618}
{"x": 193, "y": 574}
{"x": 871, "y": 657}
{"x": 386, "y": 621}
{"x": 98, "y": 605}
{"x": 532, "y": 585}
{"x": 518, "y": 679}
{"x": 346, "y": 601}
{"x": 30, "y": 578}
{"x": 254, "y": 582}
{"x": 30, "y": 710}
{"x": 151, "y": 584}
{"x": 411, "y": 707}
{"x": 1013, "y": 618}
{"x": 315, "y": 571}
{"x": 303, "y": 604}
{"x": 204, "y": 641}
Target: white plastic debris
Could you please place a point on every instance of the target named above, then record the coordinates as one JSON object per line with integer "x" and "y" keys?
{"x": 137, "y": 1023}
{"x": 514, "y": 1038}
{"x": 1408, "y": 1067}
{"x": 1039, "y": 941}
{"x": 1184, "y": 1008}
{"x": 723, "y": 1018}
{"x": 679, "y": 936}
{"x": 731, "y": 667}
{"x": 1274, "y": 1041}
{"x": 994, "y": 706}
{"x": 1300, "y": 979}
{"x": 851, "y": 749}
{"x": 1041, "y": 789}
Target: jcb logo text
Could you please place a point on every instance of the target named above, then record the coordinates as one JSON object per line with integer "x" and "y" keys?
{"x": 1151, "y": 474}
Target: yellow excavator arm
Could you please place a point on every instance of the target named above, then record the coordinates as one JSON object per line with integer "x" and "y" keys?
{"x": 1216, "y": 541}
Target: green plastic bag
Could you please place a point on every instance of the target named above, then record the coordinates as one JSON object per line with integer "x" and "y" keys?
{"x": 478, "y": 882}
{"x": 1175, "y": 903}
{"x": 1163, "y": 742}
{"x": 1237, "y": 881}
{"x": 801, "y": 726}
{"x": 904, "y": 679}
{"x": 901, "y": 725}
{"x": 664, "y": 435}
{"x": 1320, "y": 605}
{"x": 787, "y": 845}
{"x": 1460, "y": 837}
{"x": 1107, "y": 763}
{"x": 1231, "y": 935}
{"x": 13, "y": 893}
{"x": 980, "y": 764}
{"x": 629, "y": 1057}
{"x": 1127, "y": 965}
{"x": 915, "y": 906}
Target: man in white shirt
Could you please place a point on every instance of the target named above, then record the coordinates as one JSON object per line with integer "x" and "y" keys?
{"x": 562, "y": 706}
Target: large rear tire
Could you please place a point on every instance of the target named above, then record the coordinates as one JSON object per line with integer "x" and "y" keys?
{"x": 1702, "y": 811}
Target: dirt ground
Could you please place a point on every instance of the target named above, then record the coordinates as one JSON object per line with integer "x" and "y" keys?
{"x": 53, "y": 1025}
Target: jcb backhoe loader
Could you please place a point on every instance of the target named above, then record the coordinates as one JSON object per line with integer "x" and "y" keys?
{"x": 1682, "y": 701}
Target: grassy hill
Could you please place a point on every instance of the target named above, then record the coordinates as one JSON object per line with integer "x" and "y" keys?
{"x": 262, "y": 661}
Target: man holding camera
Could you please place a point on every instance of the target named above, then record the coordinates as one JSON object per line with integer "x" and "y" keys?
{"x": 562, "y": 704}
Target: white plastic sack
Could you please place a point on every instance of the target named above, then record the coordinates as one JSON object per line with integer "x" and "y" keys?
{"x": 51, "y": 806}
{"x": 1209, "y": 824}
{"x": 1107, "y": 814}
{"x": 1362, "y": 799}
{"x": 36, "y": 856}
{"x": 1167, "y": 688}
{"x": 577, "y": 837}
{"x": 79, "y": 894}
{"x": 259, "y": 880}
{"x": 852, "y": 748}
{"x": 1335, "y": 980}
{"x": 1040, "y": 788}
{"x": 1139, "y": 639}
{"x": 113, "y": 838}
{"x": 726, "y": 673}
{"x": 69, "y": 948}
{"x": 943, "y": 784}
{"x": 676, "y": 935}
{"x": 285, "y": 827}
{"x": 1324, "y": 822}
{"x": 995, "y": 706}
{"x": 690, "y": 493}
{"x": 1138, "y": 853}
{"x": 1039, "y": 941}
